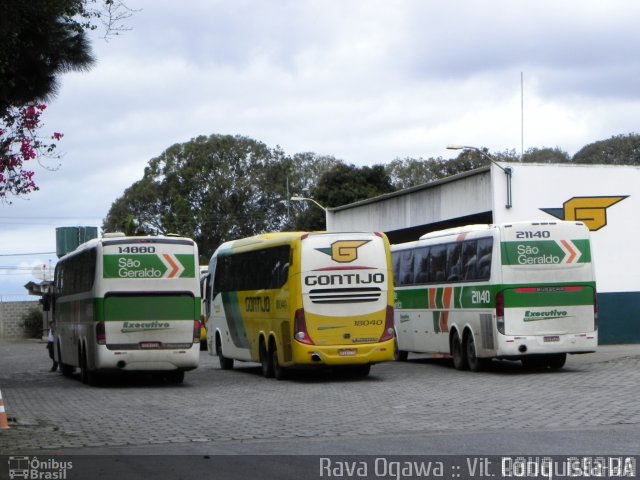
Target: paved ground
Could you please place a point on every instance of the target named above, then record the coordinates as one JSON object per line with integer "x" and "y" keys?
{"x": 216, "y": 408}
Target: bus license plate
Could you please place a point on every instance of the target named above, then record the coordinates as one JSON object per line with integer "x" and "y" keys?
{"x": 347, "y": 352}
{"x": 150, "y": 345}
{"x": 552, "y": 338}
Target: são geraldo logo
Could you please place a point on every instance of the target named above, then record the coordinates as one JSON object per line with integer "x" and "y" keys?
{"x": 592, "y": 211}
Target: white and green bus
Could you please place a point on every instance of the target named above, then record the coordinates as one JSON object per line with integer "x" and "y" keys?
{"x": 128, "y": 304}
{"x": 297, "y": 299}
{"x": 520, "y": 291}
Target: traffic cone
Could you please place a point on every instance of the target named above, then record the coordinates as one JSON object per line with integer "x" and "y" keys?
{"x": 4, "y": 423}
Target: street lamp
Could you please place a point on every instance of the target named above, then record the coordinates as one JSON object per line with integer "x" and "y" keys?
{"x": 296, "y": 198}
{"x": 508, "y": 171}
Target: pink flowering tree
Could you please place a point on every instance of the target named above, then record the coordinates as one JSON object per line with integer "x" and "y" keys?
{"x": 20, "y": 144}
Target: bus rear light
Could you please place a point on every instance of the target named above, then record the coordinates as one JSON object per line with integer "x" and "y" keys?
{"x": 196, "y": 331}
{"x": 388, "y": 333}
{"x": 500, "y": 312}
{"x": 101, "y": 335}
{"x": 300, "y": 332}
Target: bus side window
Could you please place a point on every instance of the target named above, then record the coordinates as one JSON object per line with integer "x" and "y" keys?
{"x": 395, "y": 261}
{"x": 470, "y": 260}
{"x": 406, "y": 268}
{"x": 485, "y": 246}
{"x": 454, "y": 266}
{"x": 421, "y": 265}
{"x": 437, "y": 263}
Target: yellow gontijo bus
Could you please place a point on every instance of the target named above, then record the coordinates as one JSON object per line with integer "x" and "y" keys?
{"x": 301, "y": 299}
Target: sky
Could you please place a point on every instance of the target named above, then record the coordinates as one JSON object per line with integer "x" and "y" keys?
{"x": 366, "y": 81}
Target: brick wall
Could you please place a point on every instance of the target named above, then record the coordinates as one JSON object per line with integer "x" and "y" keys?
{"x": 11, "y": 317}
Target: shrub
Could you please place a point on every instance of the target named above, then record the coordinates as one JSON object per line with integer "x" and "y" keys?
{"x": 32, "y": 323}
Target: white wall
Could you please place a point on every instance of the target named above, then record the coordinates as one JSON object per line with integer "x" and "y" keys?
{"x": 615, "y": 244}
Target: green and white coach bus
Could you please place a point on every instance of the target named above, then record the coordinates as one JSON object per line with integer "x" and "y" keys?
{"x": 123, "y": 304}
{"x": 519, "y": 291}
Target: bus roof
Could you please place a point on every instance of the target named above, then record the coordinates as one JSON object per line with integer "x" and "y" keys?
{"x": 488, "y": 226}
{"x": 119, "y": 238}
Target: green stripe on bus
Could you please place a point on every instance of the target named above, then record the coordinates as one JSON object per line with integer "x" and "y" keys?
{"x": 518, "y": 299}
{"x": 483, "y": 296}
{"x": 436, "y": 321}
{"x": 233, "y": 315}
{"x": 414, "y": 298}
{"x": 149, "y": 308}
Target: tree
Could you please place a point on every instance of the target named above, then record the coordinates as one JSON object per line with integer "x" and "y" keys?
{"x": 546, "y": 155}
{"x": 214, "y": 189}
{"x": 617, "y": 150}
{"x": 19, "y": 144}
{"x": 409, "y": 172}
{"x": 341, "y": 185}
{"x": 41, "y": 39}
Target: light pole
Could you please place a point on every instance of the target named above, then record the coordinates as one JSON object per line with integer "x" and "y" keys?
{"x": 508, "y": 171}
{"x": 296, "y": 198}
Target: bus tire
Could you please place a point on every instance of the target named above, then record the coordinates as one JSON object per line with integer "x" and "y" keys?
{"x": 266, "y": 361}
{"x": 279, "y": 372}
{"x": 458, "y": 353}
{"x": 534, "y": 362}
{"x": 225, "y": 363}
{"x": 475, "y": 364}
{"x": 176, "y": 376}
{"x": 87, "y": 376}
{"x": 557, "y": 361}
{"x": 361, "y": 370}
{"x": 84, "y": 373}
{"x": 67, "y": 370}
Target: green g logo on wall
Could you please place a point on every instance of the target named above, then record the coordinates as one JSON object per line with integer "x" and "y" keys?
{"x": 149, "y": 266}
{"x": 592, "y": 211}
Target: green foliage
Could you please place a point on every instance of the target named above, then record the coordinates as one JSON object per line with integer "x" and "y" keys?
{"x": 32, "y": 323}
{"x": 546, "y": 155}
{"x": 40, "y": 40}
{"x": 345, "y": 184}
{"x": 409, "y": 172}
{"x": 224, "y": 187}
{"x": 617, "y": 150}
{"x": 340, "y": 185}
{"x": 215, "y": 189}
